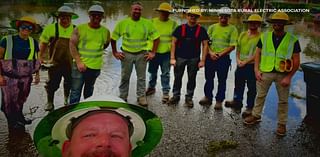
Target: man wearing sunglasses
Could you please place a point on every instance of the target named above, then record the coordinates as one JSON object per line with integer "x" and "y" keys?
{"x": 18, "y": 62}
{"x": 186, "y": 52}
{"x": 87, "y": 44}
{"x": 55, "y": 38}
{"x": 271, "y": 65}
{"x": 223, "y": 41}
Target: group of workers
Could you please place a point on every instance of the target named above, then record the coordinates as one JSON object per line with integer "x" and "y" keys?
{"x": 76, "y": 54}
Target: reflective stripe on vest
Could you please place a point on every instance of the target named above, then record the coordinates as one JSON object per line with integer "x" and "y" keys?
{"x": 220, "y": 40}
{"x": 165, "y": 30}
{"x": 8, "y": 53}
{"x": 247, "y": 45}
{"x": 93, "y": 52}
{"x": 134, "y": 45}
{"x": 91, "y": 43}
{"x": 270, "y": 59}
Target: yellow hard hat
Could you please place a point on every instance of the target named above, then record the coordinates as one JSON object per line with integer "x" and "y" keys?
{"x": 279, "y": 16}
{"x": 194, "y": 10}
{"x": 165, "y": 7}
{"x": 254, "y": 17}
{"x": 28, "y": 19}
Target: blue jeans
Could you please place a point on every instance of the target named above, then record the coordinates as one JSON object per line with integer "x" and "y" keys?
{"x": 221, "y": 67}
{"x": 192, "y": 69}
{"x": 80, "y": 79}
{"x": 245, "y": 75}
{"x": 162, "y": 60}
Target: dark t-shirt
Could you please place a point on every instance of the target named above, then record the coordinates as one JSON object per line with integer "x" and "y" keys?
{"x": 189, "y": 47}
{"x": 21, "y": 47}
{"x": 277, "y": 40}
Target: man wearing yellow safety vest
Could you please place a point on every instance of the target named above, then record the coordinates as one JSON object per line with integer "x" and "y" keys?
{"x": 86, "y": 45}
{"x": 186, "y": 51}
{"x": 165, "y": 26}
{"x": 223, "y": 41}
{"x": 277, "y": 59}
{"x": 244, "y": 73}
{"x": 55, "y": 37}
{"x": 135, "y": 32}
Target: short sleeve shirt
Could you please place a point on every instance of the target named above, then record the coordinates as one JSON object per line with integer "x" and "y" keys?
{"x": 222, "y": 36}
{"x": 21, "y": 47}
{"x": 50, "y": 32}
{"x": 189, "y": 47}
{"x": 130, "y": 29}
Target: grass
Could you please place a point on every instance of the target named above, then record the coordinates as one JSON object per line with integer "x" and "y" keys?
{"x": 217, "y": 146}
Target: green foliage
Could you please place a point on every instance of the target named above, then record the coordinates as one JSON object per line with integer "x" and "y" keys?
{"x": 217, "y": 146}
{"x": 36, "y": 2}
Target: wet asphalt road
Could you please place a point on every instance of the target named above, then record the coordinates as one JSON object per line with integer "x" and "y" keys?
{"x": 187, "y": 131}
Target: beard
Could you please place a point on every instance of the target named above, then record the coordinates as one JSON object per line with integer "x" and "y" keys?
{"x": 136, "y": 15}
{"x": 100, "y": 153}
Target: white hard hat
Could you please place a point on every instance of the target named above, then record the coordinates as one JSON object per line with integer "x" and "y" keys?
{"x": 65, "y": 9}
{"x": 224, "y": 11}
{"x": 68, "y": 10}
{"x": 96, "y": 8}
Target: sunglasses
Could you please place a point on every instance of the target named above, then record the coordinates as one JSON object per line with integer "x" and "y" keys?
{"x": 28, "y": 27}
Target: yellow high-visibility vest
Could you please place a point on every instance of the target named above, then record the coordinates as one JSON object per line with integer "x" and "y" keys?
{"x": 165, "y": 29}
{"x": 135, "y": 34}
{"x": 91, "y": 44}
{"x": 270, "y": 58}
{"x": 222, "y": 37}
{"x": 8, "y": 53}
{"x": 247, "y": 45}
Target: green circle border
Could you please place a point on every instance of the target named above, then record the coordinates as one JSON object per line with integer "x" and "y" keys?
{"x": 47, "y": 148}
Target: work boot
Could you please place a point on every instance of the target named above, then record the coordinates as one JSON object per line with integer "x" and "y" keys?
{"x": 218, "y": 105}
{"x": 236, "y": 109}
{"x": 65, "y": 102}
{"x": 250, "y": 120}
{"x": 281, "y": 130}
{"x": 232, "y": 103}
{"x": 205, "y": 101}
{"x": 66, "y": 94}
{"x": 27, "y": 121}
{"x": 49, "y": 106}
{"x": 124, "y": 99}
{"x": 165, "y": 98}
{"x": 150, "y": 91}
{"x": 246, "y": 113}
{"x": 17, "y": 126}
{"x": 189, "y": 102}
{"x": 174, "y": 100}
{"x": 142, "y": 101}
